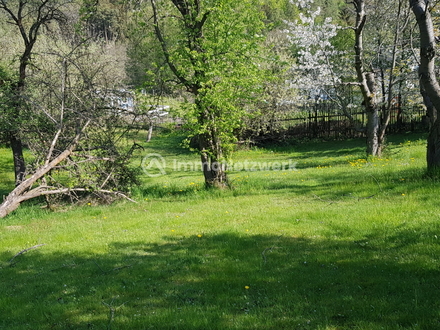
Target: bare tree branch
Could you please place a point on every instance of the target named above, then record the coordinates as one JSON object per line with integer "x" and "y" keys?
{"x": 24, "y": 251}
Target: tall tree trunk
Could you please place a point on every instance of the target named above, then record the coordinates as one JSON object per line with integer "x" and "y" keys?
{"x": 374, "y": 147}
{"x": 428, "y": 79}
{"x": 17, "y": 153}
{"x": 367, "y": 83}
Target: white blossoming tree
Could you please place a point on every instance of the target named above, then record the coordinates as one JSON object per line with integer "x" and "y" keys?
{"x": 321, "y": 68}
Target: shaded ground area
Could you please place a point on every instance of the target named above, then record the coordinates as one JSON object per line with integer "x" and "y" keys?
{"x": 228, "y": 281}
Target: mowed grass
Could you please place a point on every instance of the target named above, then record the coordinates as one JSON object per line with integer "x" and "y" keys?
{"x": 333, "y": 242}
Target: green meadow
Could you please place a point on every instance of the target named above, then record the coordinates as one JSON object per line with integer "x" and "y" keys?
{"x": 310, "y": 236}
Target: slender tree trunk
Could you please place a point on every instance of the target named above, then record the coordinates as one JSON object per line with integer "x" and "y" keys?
{"x": 428, "y": 79}
{"x": 150, "y": 131}
{"x": 367, "y": 83}
{"x": 374, "y": 147}
{"x": 17, "y": 153}
{"x": 14, "y": 139}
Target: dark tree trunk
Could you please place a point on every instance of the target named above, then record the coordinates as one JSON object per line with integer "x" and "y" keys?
{"x": 431, "y": 112}
{"x": 428, "y": 79}
{"x": 433, "y": 149}
{"x": 19, "y": 163}
{"x": 214, "y": 170}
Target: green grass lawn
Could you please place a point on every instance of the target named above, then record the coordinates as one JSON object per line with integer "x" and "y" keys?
{"x": 337, "y": 242}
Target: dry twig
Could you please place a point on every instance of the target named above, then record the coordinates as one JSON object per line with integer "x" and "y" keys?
{"x": 24, "y": 251}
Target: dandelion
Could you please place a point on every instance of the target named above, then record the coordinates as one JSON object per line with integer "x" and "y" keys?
{"x": 199, "y": 235}
{"x": 89, "y": 204}
{"x": 246, "y": 287}
{"x": 403, "y": 194}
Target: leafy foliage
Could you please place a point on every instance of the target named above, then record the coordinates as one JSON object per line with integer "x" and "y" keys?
{"x": 7, "y": 118}
{"x": 213, "y": 50}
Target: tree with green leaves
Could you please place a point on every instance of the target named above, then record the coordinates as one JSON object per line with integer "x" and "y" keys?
{"x": 64, "y": 112}
{"x": 75, "y": 136}
{"x": 212, "y": 48}
{"x": 29, "y": 18}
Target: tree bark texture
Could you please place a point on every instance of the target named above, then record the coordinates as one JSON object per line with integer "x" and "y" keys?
{"x": 367, "y": 83}
{"x": 17, "y": 153}
{"x": 428, "y": 79}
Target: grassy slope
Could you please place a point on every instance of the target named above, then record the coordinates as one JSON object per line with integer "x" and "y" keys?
{"x": 340, "y": 243}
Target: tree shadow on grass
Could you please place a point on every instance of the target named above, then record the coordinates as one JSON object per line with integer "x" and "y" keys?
{"x": 226, "y": 281}
{"x": 311, "y": 154}
{"x": 333, "y": 186}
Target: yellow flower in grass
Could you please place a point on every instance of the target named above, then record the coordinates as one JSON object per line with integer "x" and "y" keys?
{"x": 246, "y": 287}
{"x": 199, "y": 235}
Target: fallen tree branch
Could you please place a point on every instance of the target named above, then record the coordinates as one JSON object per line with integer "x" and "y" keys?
{"x": 18, "y": 195}
{"x": 263, "y": 254}
{"x": 323, "y": 200}
{"x": 111, "y": 270}
{"x": 68, "y": 190}
{"x": 24, "y": 251}
{"x": 112, "y": 310}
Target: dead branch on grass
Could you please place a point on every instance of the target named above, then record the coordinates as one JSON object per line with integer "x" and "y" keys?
{"x": 24, "y": 251}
